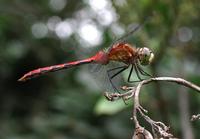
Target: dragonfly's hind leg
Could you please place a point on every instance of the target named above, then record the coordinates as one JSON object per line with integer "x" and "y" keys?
{"x": 111, "y": 77}
{"x": 122, "y": 68}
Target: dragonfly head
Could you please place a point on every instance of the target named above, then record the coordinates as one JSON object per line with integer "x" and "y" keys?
{"x": 146, "y": 56}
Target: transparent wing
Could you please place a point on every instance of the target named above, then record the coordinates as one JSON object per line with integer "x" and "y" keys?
{"x": 140, "y": 39}
{"x": 102, "y": 75}
{"x": 132, "y": 30}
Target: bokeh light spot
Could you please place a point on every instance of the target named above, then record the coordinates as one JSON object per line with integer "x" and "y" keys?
{"x": 57, "y": 5}
{"x": 106, "y": 17}
{"x": 98, "y": 4}
{"x": 52, "y": 22}
{"x": 90, "y": 34}
{"x": 185, "y": 34}
{"x": 39, "y": 30}
{"x": 63, "y": 29}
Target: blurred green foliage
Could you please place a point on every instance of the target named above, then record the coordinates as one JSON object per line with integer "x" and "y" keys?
{"x": 65, "y": 105}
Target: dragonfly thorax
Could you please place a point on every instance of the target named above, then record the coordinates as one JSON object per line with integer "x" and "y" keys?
{"x": 145, "y": 56}
{"x": 122, "y": 52}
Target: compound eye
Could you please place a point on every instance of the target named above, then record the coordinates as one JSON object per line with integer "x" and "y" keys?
{"x": 147, "y": 56}
{"x": 146, "y": 52}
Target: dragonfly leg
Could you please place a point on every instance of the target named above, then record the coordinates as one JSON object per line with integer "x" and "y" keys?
{"x": 129, "y": 76}
{"x": 122, "y": 68}
{"x": 143, "y": 72}
{"x": 137, "y": 73}
{"x": 111, "y": 77}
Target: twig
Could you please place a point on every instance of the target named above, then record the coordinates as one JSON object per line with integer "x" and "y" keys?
{"x": 173, "y": 79}
{"x": 159, "y": 128}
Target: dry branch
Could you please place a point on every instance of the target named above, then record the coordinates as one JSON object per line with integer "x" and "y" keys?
{"x": 159, "y": 129}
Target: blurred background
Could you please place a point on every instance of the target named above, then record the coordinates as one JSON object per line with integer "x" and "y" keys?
{"x": 66, "y": 104}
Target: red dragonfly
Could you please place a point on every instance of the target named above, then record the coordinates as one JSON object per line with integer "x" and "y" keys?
{"x": 118, "y": 52}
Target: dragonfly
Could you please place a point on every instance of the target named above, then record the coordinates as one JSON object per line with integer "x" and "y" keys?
{"x": 120, "y": 51}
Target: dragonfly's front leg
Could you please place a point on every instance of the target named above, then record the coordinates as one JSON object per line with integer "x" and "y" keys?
{"x": 142, "y": 71}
